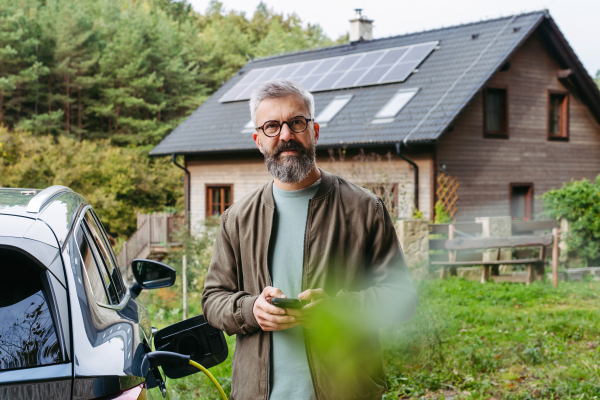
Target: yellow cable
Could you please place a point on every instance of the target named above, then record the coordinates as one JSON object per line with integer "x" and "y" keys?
{"x": 211, "y": 377}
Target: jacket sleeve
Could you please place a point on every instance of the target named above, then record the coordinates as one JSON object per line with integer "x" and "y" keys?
{"x": 389, "y": 295}
{"x": 225, "y": 307}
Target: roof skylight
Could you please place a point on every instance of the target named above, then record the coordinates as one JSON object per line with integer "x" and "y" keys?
{"x": 394, "y": 106}
{"x": 332, "y": 109}
{"x": 249, "y": 127}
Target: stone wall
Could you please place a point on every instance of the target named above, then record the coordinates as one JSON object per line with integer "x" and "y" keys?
{"x": 414, "y": 239}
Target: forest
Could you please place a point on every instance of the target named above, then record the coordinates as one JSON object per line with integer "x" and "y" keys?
{"x": 90, "y": 84}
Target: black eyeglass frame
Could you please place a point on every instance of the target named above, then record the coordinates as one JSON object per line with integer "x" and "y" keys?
{"x": 287, "y": 123}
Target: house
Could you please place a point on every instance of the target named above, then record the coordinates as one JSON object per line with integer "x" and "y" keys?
{"x": 503, "y": 105}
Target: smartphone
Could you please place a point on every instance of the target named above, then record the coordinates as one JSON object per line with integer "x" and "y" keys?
{"x": 287, "y": 303}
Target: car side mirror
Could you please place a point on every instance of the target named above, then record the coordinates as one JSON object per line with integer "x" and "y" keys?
{"x": 150, "y": 274}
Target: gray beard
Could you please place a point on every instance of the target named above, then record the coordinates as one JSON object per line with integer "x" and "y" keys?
{"x": 294, "y": 168}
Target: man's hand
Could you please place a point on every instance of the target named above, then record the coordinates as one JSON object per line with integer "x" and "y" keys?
{"x": 269, "y": 317}
{"x": 309, "y": 315}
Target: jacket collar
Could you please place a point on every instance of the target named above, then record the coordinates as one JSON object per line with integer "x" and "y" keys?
{"x": 327, "y": 182}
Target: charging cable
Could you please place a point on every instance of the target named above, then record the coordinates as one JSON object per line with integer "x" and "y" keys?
{"x": 211, "y": 377}
{"x": 158, "y": 358}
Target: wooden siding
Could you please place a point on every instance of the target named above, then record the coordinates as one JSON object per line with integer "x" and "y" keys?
{"x": 247, "y": 173}
{"x": 486, "y": 167}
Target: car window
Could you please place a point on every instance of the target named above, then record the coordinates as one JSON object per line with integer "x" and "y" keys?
{"x": 104, "y": 253}
{"x": 27, "y": 331}
{"x": 109, "y": 248}
{"x": 94, "y": 274}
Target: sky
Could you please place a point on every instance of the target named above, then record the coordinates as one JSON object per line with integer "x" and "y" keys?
{"x": 579, "y": 20}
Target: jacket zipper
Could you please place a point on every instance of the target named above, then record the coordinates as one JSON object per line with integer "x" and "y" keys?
{"x": 267, "y": 395}
{"x": 304, "y": 287}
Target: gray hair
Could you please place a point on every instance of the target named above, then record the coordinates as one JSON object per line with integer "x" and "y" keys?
{"x": 278, "y": 88}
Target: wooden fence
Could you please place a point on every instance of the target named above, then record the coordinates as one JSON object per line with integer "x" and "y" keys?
{"x": 476, "y": 229}
{"x": 154, "y": 233}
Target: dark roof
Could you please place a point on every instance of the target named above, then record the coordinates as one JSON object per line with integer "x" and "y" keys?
{"x": 468, "y": 57}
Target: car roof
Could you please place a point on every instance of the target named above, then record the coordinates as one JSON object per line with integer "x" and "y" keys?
{"x": 57, "y": 206}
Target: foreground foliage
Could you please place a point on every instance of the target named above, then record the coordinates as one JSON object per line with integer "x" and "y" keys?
{"x": 501, "y": 341}
{"x": 472, "y": 341}
{"x": 579, "y": 203}
{"x": 118, "y": 182}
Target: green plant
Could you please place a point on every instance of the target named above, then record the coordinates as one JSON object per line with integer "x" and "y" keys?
{"x": 441, "y": 215}
{"x": 417, "y": 214}
{"x": 117, "y": 181}
{"x": 579, "y": 203}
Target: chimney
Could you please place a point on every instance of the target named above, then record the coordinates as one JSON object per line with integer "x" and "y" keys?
{"x": 361, "y": 28}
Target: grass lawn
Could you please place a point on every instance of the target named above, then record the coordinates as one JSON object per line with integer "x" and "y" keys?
{"x": 474, "y": 341}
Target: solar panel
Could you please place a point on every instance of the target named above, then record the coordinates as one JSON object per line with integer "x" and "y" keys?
{"x": 368, "y": 68}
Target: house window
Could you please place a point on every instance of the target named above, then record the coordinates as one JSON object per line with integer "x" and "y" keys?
{"x": 218, "y": 199}
{"x": 521, "y": 201}
{"x": 495, "y": 116}
{"x": 558, "y": 116}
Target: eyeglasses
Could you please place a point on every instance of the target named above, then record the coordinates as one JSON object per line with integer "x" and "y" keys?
{"x": 297, "y": 125}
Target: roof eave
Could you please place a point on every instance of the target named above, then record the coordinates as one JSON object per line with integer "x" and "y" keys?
{"x": 422, "y": 142}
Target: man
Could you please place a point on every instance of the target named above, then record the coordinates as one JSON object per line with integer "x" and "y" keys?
{"x": 314, "y": 236}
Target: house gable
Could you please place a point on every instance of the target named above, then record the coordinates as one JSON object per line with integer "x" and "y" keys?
{"x": 486, "y": 167}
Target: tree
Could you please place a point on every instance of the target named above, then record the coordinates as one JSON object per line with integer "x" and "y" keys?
{"x": 129, "y": 71}
{"x": 117, "y": 181}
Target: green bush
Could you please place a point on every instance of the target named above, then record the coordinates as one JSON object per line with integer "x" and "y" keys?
{"x": 118, "y": 182}
{"x": 579, "y": 203}
{"x": 441, "y": 215}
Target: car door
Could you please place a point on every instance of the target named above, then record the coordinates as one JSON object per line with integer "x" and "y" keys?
{"x": 106, "y": 320}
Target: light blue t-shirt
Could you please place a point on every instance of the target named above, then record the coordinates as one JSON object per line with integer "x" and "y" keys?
{"x": 290, "y": 374}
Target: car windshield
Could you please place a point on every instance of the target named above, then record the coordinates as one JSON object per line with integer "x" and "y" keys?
{"x": 27, "y": 334}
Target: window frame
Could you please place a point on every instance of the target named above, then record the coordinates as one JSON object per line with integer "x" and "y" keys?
{"x": 564, "y": 109}
{"x": 85, "y": 237}
{"x": 529, "y": 199}
{"x": 208, "y": 198}
{"x": 122, "y": 293}
{"x": 109, "y": 248}
{"x": 504, "y": 132}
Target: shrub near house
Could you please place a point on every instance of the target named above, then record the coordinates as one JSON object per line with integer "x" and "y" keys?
{"x": 579, "y": 203}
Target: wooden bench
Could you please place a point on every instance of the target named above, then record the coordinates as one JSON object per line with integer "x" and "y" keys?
{"x": 535, "y": 265}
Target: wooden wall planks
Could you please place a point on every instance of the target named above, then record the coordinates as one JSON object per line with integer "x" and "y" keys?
{"x": 486, "y": 167}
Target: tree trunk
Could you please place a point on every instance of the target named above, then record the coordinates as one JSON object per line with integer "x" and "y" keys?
{"x": 1, "y": 106}
{"x": 19, "y": 102}
{"x": 79, "y": 114}
{"x": 160, "y": 90}
{"x": 66, "y": 106}
{"x": 49, "y": 99}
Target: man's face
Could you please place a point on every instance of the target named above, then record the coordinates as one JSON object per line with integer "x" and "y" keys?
{"x": 289, "y": 156}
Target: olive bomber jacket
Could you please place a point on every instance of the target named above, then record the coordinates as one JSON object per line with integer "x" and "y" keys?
{"x": 351, "y": 251}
